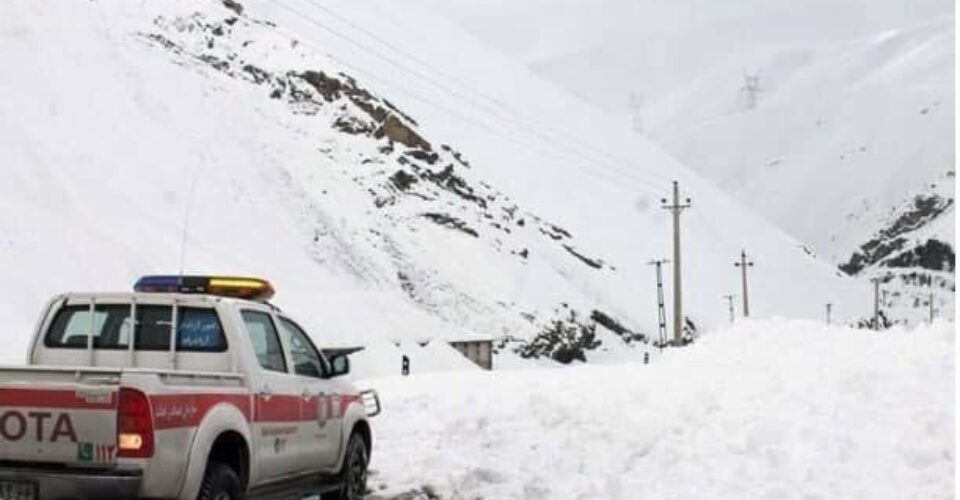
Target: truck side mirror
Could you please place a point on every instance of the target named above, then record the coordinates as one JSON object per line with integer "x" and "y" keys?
{"x": 339, "y": 365}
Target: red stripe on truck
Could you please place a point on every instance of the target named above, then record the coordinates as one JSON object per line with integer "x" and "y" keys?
{"x": 171, "y": 411}
{"x": 346, "y": 400}
{"x": 187, "y": 410}
{"x": 58, "y": 398}
{"x": 332, "y": 406}
{"x": 277, "y": 408}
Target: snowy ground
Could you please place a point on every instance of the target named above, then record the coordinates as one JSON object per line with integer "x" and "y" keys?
{"x": 773, "y": 409}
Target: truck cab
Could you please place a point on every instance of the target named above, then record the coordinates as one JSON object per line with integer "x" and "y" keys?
{"x": 241, "y": 403}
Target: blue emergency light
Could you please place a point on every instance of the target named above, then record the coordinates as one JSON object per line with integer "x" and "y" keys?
{"x": 227, "y": 286}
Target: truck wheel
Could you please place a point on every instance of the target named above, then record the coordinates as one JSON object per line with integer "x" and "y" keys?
{"x": 353, "y": 476}
{"x": 220, "y": 482}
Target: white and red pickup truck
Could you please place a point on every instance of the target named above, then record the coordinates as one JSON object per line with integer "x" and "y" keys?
{"x": 241, "y": 405}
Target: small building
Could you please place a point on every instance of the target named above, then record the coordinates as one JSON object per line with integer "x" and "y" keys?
{"x": 473, "y": 346}
{"x": 480, "y": 351}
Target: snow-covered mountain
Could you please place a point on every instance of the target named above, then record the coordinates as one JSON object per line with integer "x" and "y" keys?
{"x": 605, "y": 50}
{"x": 833, "y": 119}
{"x": 386, "y": 198}
{"x": 844, "y": 130}
{"x": 849, "y": 147}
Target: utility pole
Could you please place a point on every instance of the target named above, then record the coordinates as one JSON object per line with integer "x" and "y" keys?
{"x": 829, "y": 308}
{"x": 729, "y": 298}
{"x": 743, "y": 265}
{"x": 751, "y": 87}
{"x": 636, "y": 109}
{"x": 675, "y": 208}
{"x": 876, "y": 303}
{"x": 661, "y": 310}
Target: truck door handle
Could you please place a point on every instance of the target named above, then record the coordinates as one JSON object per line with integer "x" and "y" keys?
{"x": 265, "y": 392}
{"x": 305, "y": 394}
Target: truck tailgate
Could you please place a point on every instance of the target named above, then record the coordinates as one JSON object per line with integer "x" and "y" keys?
{"x": 59, "y": 415}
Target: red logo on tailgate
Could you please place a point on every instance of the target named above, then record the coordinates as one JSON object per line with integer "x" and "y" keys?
{"x": 15, "y": 425}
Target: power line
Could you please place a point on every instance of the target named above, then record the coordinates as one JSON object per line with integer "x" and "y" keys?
{"x": 503, "y": 107}
{"x": 521, "y": 144}
{"x": 364, "y": 47}
{"x": 535, "y": 130}
{"x": 398, "y": 50}
{"x": 636, "y": 182}
{"x": 710, "y": 226}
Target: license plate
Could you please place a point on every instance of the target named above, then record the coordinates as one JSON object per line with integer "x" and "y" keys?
{"x": 17, "y": 490}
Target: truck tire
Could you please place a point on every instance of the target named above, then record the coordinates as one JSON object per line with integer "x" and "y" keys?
{"x": 353, "y": 475}
{"x": 220, "y": 482}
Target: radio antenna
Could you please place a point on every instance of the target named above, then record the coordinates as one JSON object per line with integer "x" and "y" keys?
{"x": 186, "y": 219}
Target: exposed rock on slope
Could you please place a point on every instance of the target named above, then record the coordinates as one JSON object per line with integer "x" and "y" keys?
{"x": 892, "y": 247}
{"x": 405, "y": 176}
{"x": 913, "y": 254}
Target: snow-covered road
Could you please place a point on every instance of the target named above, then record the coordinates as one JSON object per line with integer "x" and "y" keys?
{"x": 773, "y": 409}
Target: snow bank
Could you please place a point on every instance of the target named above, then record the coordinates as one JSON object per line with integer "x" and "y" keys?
{"x": 420, "y": 361}
{"x": 384, "y": 359}
{"x": 776, "y": 409}
{"x": 377, "y": 359}
{"x": 445, "y": 357}
{"x": 437, "y": 355}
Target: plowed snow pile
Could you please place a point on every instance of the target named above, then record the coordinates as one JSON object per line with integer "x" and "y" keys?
{"x": 775, "y": 409}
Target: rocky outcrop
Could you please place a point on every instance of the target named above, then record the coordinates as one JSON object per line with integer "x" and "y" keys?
{"x": 605, "y": 320}
{"x": 912, "y": 256}
{"x": 452, "y": 223}
{"x": 883, "y": 248}
{"x": 565, "y": 339}
{"x": 932, "y": 254}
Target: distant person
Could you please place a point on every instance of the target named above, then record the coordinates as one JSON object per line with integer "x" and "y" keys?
{"x": 405, "y": 366}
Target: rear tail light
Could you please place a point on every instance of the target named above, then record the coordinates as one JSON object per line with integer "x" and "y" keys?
{"x": 134, "y": 425}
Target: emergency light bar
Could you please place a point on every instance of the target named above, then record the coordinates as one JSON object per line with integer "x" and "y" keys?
{"x": 227, "y": 286}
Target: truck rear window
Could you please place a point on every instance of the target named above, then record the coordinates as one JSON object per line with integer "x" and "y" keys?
{"x": 198, "y": 329}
